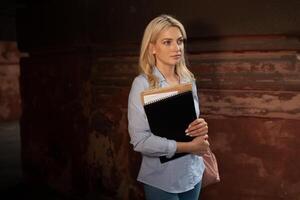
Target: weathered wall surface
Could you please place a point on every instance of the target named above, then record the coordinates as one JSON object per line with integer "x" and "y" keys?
{"x": 76, "y": 80}
{"x": 251, "y": 101}
{"x": 10, "y": 104}
{"x": 55, "y": 96}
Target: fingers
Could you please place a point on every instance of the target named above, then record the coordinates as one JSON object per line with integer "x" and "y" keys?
{"x": 207, "y": 142}
{"x": 197, "y": 128}
{"x": 197, "y": 121}
{"x": 201, "y": 139}
{"x": 205, "y": 145}
{"x": 198, "y": 132}
{"x": 205, "y": 137}
{"x": 201, "y": 144}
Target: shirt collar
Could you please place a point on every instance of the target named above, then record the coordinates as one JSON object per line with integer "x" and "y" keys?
{"x": 159, "y": 75}
{"x": 162, "y": 79}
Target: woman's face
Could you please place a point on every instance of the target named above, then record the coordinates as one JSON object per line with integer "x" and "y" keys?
{"x": 168, "y": 48}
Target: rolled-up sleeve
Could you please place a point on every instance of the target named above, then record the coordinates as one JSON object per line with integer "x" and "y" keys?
{"x": 142, "y": 139}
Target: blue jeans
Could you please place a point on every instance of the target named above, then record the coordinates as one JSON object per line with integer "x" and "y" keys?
{"x": 153, "y": 193}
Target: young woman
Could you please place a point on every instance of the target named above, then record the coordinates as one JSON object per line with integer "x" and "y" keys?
{"x": 162, "y": 64}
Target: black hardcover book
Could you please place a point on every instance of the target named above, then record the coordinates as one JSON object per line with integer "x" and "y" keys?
{"x": 169, "y": 117}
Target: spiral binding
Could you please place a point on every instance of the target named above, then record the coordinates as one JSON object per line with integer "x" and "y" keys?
{"x": 166, "y": 97}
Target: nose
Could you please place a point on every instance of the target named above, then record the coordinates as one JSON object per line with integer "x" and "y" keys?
{"x": 176, "y": 47}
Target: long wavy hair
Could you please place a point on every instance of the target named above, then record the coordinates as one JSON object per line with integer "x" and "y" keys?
{"x": 147, "y": 59}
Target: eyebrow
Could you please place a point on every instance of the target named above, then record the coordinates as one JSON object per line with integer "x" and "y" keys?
{"x": 181, "y": 37}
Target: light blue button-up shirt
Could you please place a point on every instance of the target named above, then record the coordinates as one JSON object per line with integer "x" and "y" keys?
{"x": 178, "y": 175}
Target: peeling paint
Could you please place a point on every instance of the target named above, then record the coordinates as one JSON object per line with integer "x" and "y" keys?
{"x": 110, "y": 155}
{"x": 252, "y": 103}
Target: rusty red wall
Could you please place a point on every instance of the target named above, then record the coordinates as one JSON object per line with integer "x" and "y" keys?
{"x": 74, "y": 125}
{"x": 76, "y": 79}
{"x": 251, "y": 101}
{"x": 10, "y": 102}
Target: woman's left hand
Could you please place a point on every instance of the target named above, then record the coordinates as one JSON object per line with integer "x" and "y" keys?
{"x": 197, "y": 128}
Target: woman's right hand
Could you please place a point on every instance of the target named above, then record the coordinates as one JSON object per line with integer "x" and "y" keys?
{"x": 199, "y": 145}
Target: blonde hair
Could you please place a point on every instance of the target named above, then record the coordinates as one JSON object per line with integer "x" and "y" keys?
{"x": 147, "y": 59}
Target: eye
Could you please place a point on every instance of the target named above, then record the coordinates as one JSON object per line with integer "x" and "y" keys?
{"x": 167, "y": 42}
{"x": 180, "y": 41}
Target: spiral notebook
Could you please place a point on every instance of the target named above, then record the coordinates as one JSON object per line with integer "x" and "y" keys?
{"x": 169, "y": 111}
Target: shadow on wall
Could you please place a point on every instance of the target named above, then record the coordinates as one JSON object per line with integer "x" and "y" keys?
{"x": 10, "y": 102}
{"x": 10, "y": 111}
{"x": 202, "y": 38}
{"x": 10, "y": 168}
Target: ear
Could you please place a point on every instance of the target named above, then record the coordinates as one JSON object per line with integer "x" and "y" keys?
{"x": 152, "y": 48}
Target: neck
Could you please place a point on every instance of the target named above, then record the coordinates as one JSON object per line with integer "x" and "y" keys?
{"x": 167, "y": 71}
{"x": 169, "y": 74}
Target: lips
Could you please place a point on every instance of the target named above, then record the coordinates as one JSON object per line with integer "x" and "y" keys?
{"x": 177, "y": 56}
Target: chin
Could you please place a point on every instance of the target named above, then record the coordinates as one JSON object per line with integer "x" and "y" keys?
{"x": 174, "y": 62}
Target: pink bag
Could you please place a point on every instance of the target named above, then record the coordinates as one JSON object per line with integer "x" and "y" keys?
{"x": 211, "y": 172}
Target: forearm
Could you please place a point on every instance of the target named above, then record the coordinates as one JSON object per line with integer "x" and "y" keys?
{"x": 184, "y": 147}
{"x": 152, "y": 145}
{"x": 198, "y": 145}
